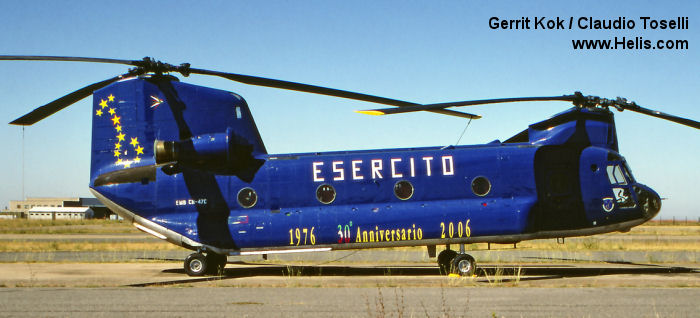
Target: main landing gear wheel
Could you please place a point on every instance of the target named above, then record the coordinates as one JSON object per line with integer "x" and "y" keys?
{"x": 444, "y": 261}
{"x": 196, "y": 264}
{"x": 463, "y": 265}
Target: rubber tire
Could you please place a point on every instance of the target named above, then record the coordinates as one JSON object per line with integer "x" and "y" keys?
{"x": 444, "y": 261}
{"x": 216, "y": 262}
{"x": 196, "y": 264}
{"x": 463, "y": 265}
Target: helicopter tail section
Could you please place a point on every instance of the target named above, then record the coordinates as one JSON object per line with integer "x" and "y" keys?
{"x": 156, "y": 140}
{"x": 144, "y": 122}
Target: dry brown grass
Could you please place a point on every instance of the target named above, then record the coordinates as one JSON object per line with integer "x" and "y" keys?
{"x": 24, "y": 226}
{"x": 55, "y": 246}
{"x": 649, "y": 237}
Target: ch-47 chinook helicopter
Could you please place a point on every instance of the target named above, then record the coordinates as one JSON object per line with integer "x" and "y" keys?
{"x": 186, "y": 164}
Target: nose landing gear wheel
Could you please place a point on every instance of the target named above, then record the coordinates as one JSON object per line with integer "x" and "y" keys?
{"x": 463, "y": 265}
{"x": 196, "y": 264}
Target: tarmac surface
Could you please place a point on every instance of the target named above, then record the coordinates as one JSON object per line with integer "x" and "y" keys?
{"x": 349, "y": 302}
{"x": 365, "y": 283}
{"x": 264, "y": 290}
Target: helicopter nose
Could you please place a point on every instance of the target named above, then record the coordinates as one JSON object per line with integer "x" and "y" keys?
{"x": 649, "y": 201}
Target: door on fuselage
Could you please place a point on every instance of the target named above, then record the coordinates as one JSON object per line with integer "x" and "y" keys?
{"x": 559, "y": 205}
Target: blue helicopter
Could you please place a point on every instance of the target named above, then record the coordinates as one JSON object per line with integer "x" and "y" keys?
{"x": 186, "y": 164}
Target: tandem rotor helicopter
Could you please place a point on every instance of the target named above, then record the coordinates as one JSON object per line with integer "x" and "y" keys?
{"x": 186, "y": 164}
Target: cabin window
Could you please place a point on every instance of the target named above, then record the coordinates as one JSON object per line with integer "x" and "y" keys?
{"x": 325, "y": 193}
{"x": 403, "y": 190}
{"x": 247, "y": 197}
{"x": 481, "y": 186}
{"x": 615, "y": 175}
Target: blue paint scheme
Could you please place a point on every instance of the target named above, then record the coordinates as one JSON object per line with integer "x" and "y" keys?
{"x": 199, "y": 200}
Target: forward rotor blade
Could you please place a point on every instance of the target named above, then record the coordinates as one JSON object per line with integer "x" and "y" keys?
{"x": 64, "y": 58}
{"x": 268, "y": 82}
{"x": 432, "y": 107}
{"x": 658, "y": 114}
{"x": 61, "y": 103}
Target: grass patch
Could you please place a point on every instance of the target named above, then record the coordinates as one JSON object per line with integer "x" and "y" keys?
{"x": 56, "y": 246}
{"x": 595, "y": 244}
{"x": 95, "y": 226}
{"x": 665, "y": 230}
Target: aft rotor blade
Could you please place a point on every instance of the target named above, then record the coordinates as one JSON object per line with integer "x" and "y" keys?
{"x": 268, "y": 82}
{"x": 658, "y": 114}
{"x": 61, "y": 103}
{"x": 432, "y": 107}
{"x": 65, "y": 59}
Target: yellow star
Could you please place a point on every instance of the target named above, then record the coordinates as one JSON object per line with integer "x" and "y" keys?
{"x": 119, "y": 161}
{"x": 115, "y": 120}
{"x": 103, "y": 103}
{"x": 117, "y": 153}
{"x": 127, "y": 164}
{"x": 120, "y": 137}
{"x": 111, "y": 111}
{"x": 117, "y": 146}
{"x": 110, "y": 97}
{"x": 134, "y": 141}
{"x": 139, "y": 150}
{"x": 118, "y": 128}
{"x": 137, "y": 160}
{"x": 98, "y": 112}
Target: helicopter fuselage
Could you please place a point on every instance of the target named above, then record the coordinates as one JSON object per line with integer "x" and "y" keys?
{"x": 561, "y": 177}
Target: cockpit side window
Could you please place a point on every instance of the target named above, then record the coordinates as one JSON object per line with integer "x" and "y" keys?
{"x": 615, "y": 175}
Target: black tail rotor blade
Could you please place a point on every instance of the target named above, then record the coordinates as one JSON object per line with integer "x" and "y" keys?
{"x": 61, "y": 103}
{"x": 432, "y": 107}
{"x": 65, "y": 59}
{"x": 268, "y": 82}
{"x": 658, "y": 114}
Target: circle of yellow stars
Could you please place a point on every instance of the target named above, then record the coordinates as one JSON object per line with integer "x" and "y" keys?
{"x": 119, "y": 148}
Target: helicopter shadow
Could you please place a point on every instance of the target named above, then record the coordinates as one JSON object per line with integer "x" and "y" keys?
{"x": 485, "y": 274}
{"x": 280, "y": 270}
{"x": 521, "y": 273}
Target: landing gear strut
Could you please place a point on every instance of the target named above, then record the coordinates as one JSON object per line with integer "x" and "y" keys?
{"x": 197, "y": 264}
{"x": 450, "y": 262}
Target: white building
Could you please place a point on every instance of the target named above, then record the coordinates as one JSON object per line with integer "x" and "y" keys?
{"x": 21, "y": 208}
{"x": 60, "y": 213}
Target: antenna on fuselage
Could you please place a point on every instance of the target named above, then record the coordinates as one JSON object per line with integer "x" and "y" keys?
{"x": 463, "y": 131}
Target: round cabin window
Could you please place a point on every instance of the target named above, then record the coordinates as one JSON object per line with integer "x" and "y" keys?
{"x": 247, "y": 197}
{"x": 481, "y": 186}
{"x": 325, "y": 193}
{"x": 403, "y": 190}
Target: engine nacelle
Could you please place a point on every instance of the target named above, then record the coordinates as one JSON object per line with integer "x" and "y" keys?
{"x": 210, "y": 152}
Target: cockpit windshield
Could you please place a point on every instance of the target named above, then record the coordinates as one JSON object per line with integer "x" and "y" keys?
{"x": 616, "y": 175}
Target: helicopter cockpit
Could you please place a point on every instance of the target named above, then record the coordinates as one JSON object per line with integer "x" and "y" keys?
{"x": 618, "y": 174}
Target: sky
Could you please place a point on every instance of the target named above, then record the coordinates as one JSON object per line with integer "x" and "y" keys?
{"x": 419, "y": 51}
